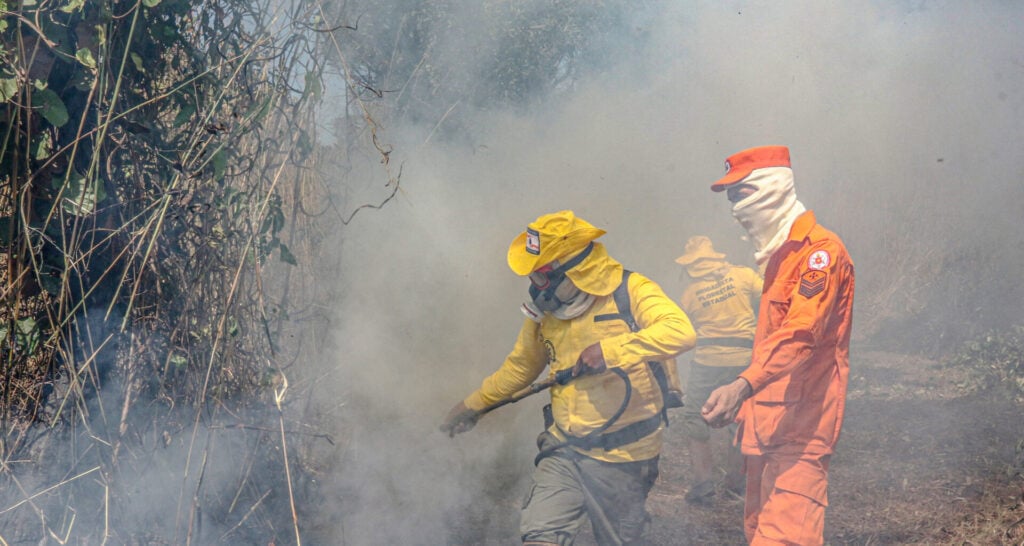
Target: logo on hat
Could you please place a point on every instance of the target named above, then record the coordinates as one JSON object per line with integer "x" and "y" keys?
{"x": 532, "y": 241}
{"x": 727, "y": 165}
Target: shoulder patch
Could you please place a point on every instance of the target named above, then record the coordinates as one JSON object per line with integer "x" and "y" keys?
{"x": 819, "y": 259}
{"x": 812, "y": 282}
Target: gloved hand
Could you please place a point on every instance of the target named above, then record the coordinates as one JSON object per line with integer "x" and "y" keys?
{"x": 591, "y": 360}
{"x": 459, "y": 419}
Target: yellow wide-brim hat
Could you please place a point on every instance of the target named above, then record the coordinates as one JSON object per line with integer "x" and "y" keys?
{"x": 548, "y": 238}
{"x": 699, "y": 247}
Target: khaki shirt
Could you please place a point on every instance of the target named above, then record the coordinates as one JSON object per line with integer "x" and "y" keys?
{"x": 723, "y": 306}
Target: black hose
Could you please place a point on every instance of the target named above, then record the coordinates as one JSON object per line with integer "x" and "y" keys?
{"x": 545, "y": 452}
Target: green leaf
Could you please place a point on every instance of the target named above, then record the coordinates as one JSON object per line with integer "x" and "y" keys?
{"x": 8, "y": 89}
{"x": 287, "y": 256}
{"x": 313, "y": 85}
{"x": 26, "y": 334}
{"x": 51, "y": 107}
{"x": 150, "y": 3}
{"x": 179, "y": 362}
{"x": 50, "y": 278}
{"x": 137, "y": 60}
{"x": 185, "y": 114}
{"x": 29, "y": 334}
{"x": 262, "y": 110}
{"x": 42, "y": 146}
{"x": 304, "y": 144}
{"x": 81, "y": 195}
{"x": 85, "y": 57}
{"x": 82, "y": 79}
{"x": 220, "y": 164}
{"x": 73, "y": 5}
{"x": 57, "y": 33}
{"x": 273, "y": 222}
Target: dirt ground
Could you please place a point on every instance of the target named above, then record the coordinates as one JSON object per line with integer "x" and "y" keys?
{"x": 921, "y": 461}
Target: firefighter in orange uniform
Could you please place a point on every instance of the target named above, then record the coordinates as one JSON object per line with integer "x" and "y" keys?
{"x": 789, "y": 402}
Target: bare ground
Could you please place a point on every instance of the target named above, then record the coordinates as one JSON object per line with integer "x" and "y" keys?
{"x": 922, "y": 460}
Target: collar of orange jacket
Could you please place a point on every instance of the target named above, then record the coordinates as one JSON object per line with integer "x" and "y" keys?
{"x": 802, "y": 226}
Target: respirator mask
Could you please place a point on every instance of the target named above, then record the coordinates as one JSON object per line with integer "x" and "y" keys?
{"x": 554, "y": 293}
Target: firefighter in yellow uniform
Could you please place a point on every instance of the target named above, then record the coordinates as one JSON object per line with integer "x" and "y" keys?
{"x": 722, "y": 300}
{"x": 609, "y": 330}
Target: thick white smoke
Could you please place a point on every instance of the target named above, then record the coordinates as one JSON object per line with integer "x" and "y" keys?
{"x": 903, "y": 123}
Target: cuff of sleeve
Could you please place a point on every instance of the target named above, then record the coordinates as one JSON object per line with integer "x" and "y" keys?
{"x": 755, "y": 382}
{"x": 475, "y": 401}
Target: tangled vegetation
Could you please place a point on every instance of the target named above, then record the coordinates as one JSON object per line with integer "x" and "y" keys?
{"x": 163, "y": 211}
{"x": 157, "y": 233}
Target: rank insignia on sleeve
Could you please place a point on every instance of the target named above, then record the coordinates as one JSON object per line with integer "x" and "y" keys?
{"x": 812, "y": 282}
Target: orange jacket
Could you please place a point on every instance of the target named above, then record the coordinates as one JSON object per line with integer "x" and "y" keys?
{"x": 800, "y": 362}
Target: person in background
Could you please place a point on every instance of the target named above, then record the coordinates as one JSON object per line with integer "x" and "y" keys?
{"x": 722, "y": 302}
{"x": 612, "y": 329}
{"x": 790, "y": 401}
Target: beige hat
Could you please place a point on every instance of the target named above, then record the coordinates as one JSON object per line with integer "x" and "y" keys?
{"x": 548, "y": 238}
{"x": 699, "y": 247}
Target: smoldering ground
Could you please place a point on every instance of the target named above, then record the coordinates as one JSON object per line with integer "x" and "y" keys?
{"x": 903, "y": 122}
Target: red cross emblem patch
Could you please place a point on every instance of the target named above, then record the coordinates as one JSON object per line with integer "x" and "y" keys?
{"x": 819, "y": 259}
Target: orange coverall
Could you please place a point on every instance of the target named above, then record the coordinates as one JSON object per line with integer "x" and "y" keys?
{"x": 798, "y": 374}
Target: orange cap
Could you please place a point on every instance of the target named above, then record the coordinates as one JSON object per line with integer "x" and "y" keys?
{"x": 739, "y": 165}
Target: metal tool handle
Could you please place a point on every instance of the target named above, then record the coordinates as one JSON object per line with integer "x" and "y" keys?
{"x": 561, "y": 378}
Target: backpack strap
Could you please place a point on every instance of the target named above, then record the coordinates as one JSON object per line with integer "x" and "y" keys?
{"x": 625, "y": 309}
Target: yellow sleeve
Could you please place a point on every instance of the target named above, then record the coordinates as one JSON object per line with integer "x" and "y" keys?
{"x": 665, "y": 330}
{"x": 523, "y": 365}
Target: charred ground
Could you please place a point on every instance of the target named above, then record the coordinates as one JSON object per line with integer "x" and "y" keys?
{"x": 925, "y": 458}
{"x": 932, "y": 452}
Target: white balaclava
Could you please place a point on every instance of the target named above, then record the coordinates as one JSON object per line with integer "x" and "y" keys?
{"x": 768, "y": 213}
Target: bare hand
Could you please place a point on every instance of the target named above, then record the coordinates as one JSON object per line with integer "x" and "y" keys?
{"x": 459, "y": 419}
{"x": 591, "y": 360}
{"x": 724, "y": 403}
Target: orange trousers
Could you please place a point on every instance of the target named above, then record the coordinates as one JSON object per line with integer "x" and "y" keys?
{"x": 786, "y": 499}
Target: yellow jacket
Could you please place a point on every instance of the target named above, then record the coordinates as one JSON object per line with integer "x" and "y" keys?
{"x": 586, "y": 403}
{"x": 723, "y": 306}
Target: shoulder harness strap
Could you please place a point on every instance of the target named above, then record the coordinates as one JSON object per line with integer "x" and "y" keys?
{"x": 625, "y": 309}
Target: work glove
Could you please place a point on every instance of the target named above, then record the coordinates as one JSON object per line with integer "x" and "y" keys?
{"x": 591, "y": 360}
{"x": 459, "y": 419}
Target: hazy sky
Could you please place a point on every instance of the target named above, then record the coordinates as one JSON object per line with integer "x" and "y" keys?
{"x": 903, "y": 120}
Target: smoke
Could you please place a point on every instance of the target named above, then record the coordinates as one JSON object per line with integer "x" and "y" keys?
{"x": 903, "y": 122}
